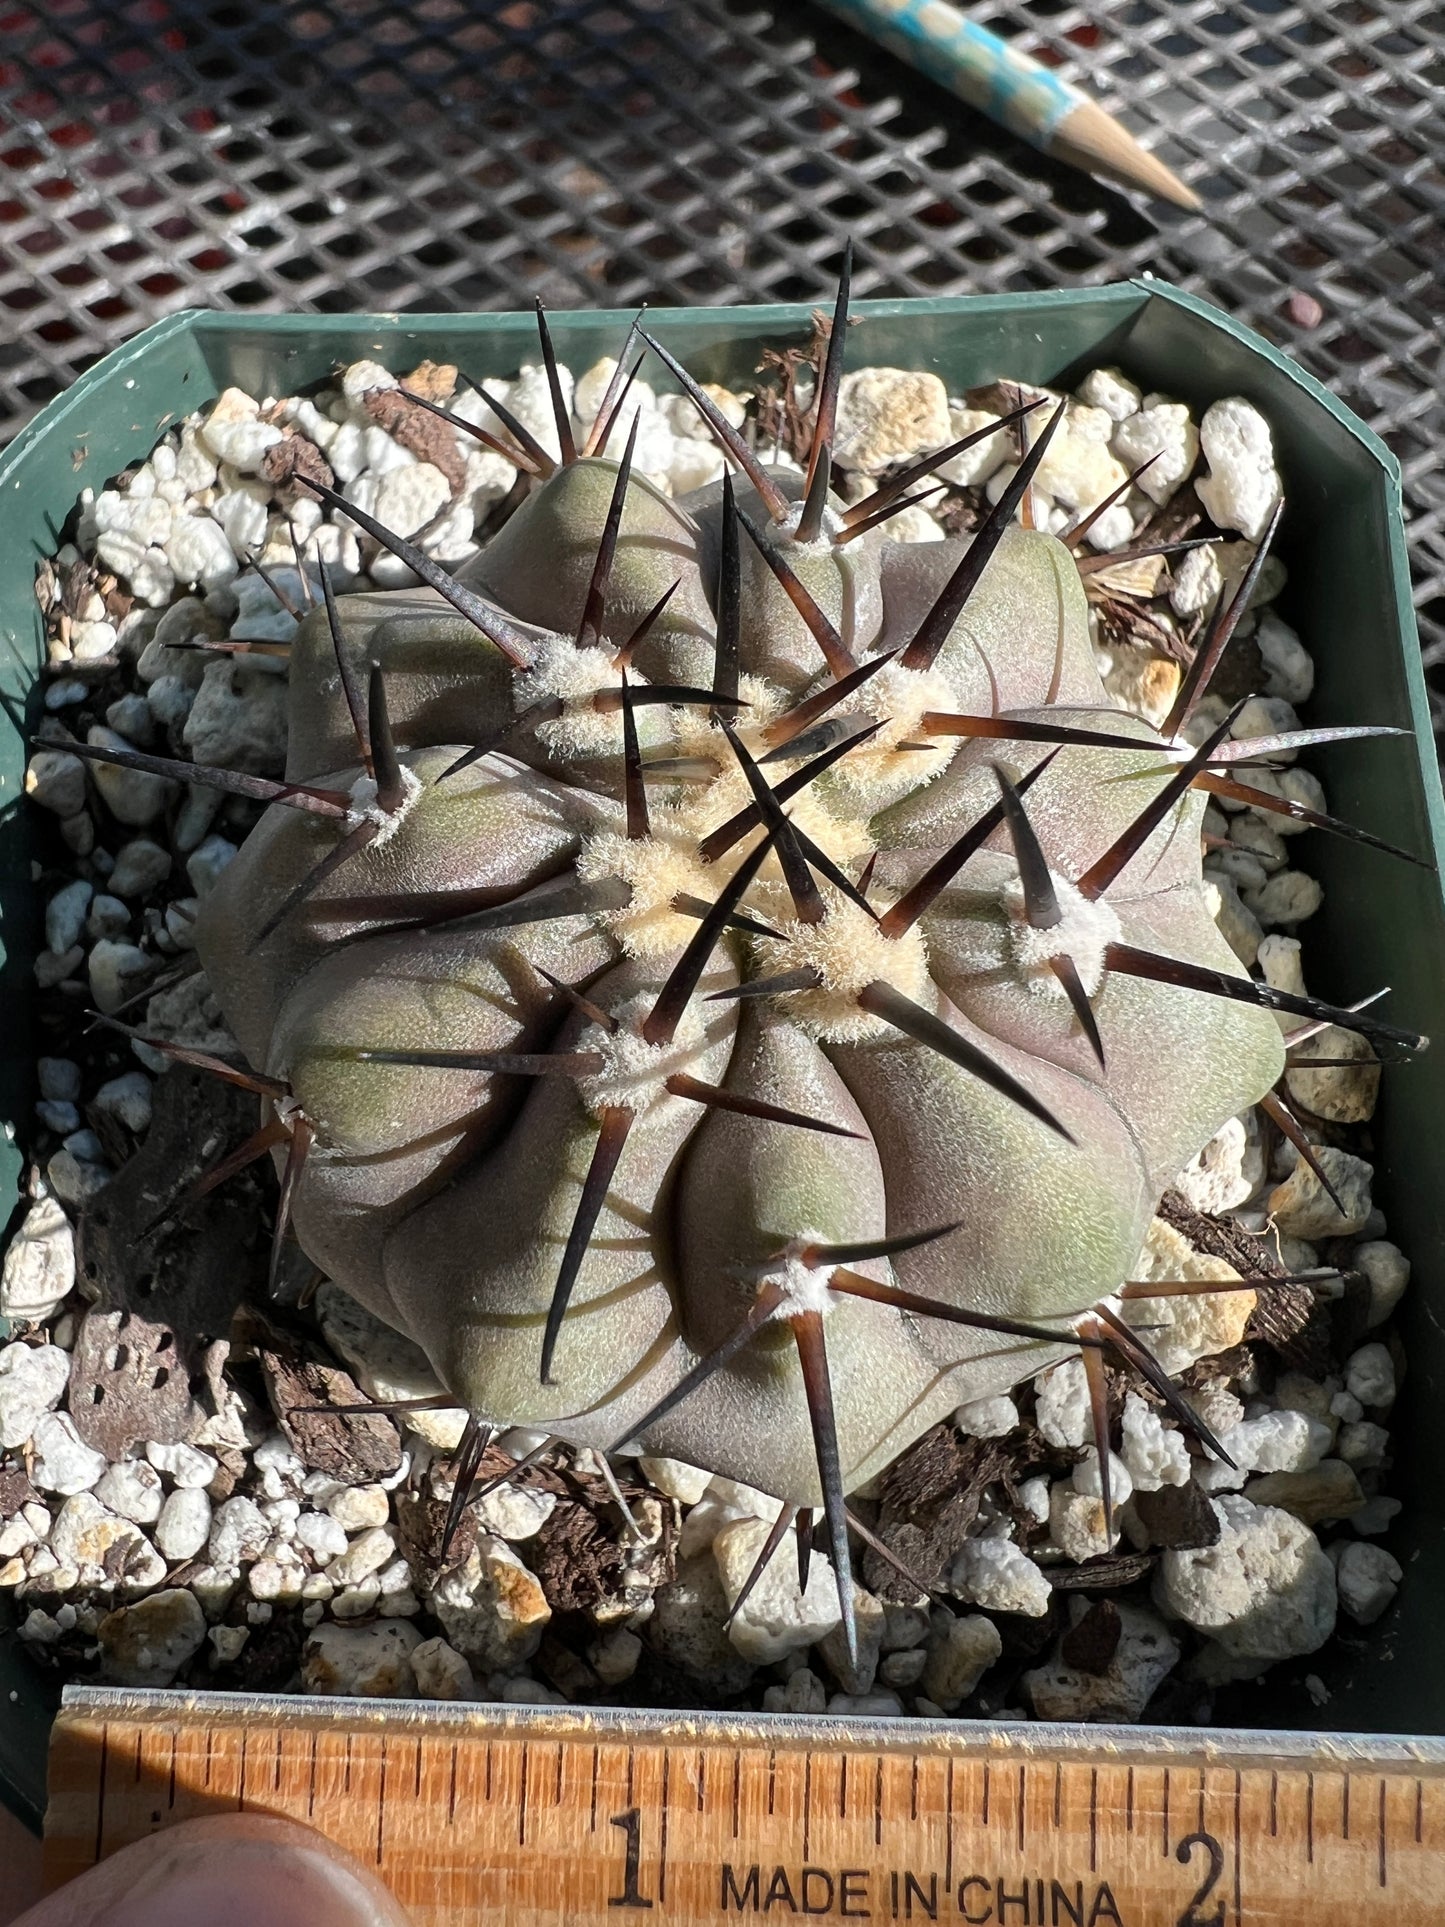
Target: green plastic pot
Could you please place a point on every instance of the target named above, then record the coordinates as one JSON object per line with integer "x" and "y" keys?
{"x": 1348, "y": 594}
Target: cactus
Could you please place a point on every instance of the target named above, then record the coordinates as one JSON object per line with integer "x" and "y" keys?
{"x": 726, "y": 982}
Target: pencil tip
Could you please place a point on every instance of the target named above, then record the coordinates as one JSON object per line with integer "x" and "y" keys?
{"x": 1093, "y": 139}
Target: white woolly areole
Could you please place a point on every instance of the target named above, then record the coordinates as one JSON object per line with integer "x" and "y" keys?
{"x": 658, "y": 868}
{"x": 849, "y": 952}
{"x": 880, "y": 773}
{"x": 805, "y": 1288}
{"x": 576, "y": 675}
{"x": 1084, "y": 932}
{"x": 366, "y": 809}
{"x": 694, "y": 733}
{"x": 786, "y": 527}
{"x": 632, "y": 1069}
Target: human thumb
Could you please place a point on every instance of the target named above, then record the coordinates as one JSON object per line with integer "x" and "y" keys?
{"x": 230, "y": 1870}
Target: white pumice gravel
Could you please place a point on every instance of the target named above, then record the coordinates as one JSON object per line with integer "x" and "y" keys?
{"x": 226, "y": 1532}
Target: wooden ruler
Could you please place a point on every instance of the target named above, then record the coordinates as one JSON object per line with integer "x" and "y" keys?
{"x": 522, "y": 1815}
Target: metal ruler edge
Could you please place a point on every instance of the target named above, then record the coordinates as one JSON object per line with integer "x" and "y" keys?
{"x": 553, "y": 1814}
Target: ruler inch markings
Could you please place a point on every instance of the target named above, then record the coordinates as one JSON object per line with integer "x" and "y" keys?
{"x": 846, "y": 1819}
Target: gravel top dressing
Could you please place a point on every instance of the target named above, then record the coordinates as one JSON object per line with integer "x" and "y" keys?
{"x": 182, "y": 1497}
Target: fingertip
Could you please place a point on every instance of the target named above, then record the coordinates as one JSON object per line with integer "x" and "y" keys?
{"x": 231, "y": 1870}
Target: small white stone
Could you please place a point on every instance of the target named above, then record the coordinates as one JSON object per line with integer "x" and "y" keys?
{"x": 127, "y": 1099}
{"x": 364, "y": 1555}
{"x": 38, "y": 1271}
{"x": 1285, "y": 1441}
{"x": 1196, "y": 582}
{"x": 51, "y": 969}
{"x": 276, "y": 1578}
{"x": 323, "y": 1536}
{"x": 361, "y": 1662}
{"x": 996, "y": 1574}
{"x": 84, "y": 1531}
{"x": 195, "y": 466}
{"x": 960, "y": 1652}
{"x": 1076, "y": 1524}
{"x": 184, "y": 1524}
{"x": 1111, "y": 391}
{"x": 65, "y": 914}
{"x": 529, "y": 1692}
{"x": 1034, "y": 1497}
{"x": 1164, "y": 431}
{"x": 1265, "y": 1590}
{"x": 1062, "y": 1412}
{"x": 1375, "y": 1516}
{"x": 59, "y": 1077}
{"x": 1388, "y": 1271}
{"x": 1078, "y": 471}
{"x": 1155, "y": 1453}
{"x": 987, "y": 1418}
{"x": 1363, "y": 1444}
{"x": 238, "y": 719}
{"x": 170, "y": 700}
{"x": 1145, "y": 1656}
{"x": 92, "y": 641}
{"x": 133, "y": 796}
{"x": 61, "y": 1461}
{"x": 685, "y": 1483}
{"x": 491, "y": 1608}
{"x": 1302, "y": 1207}
{"x": 108, "y": 917}
{"x": 1370, "y": 1375}
{"x": 238, "y": 1532}
{"x": 776, "y": 1618}
{"x": 133, "y": 1490}
{"x": 615, "y": 1656}
{"x": 974, "y": 465}
{"x": 902, "y": 1670}
{"x": 1215, "y": 1181}
{"x": 725, "y": 1501}
{"x": 1242, "y": 486}
{"x": 866, "y": 1706}
{"x": 1085, "y": 1478}
{"x": 148, "y": 1643}
{"x": 515, "y": 1512}
{"x": 227, "y": 1642}
{"x": 356, "y": 1507}
{"x": 409, "y": 497}
{"x": 185, "y": 1465}
{"x": 240, "y": 522}
{"x": 261, "y": 616}
{"x": 1289, "y": 669}
{"x": 61, "y": 1118}
{"x": 134, "y": 512}
{"x": 206, "y": 862}
{"x": 199, "y": 552}
{"x": 801, "y": 1692}
{"x": 887, "y": 414}
{"x": 441, "y": 1672}
{"x": 32, "y": 1379}
{"x": 362, "y": 378}
{"x": 116, "y": 970}
{"x": 56, "y": 781}
{"x": 1368, "y": 1579}
{"x": 233, "y": 432}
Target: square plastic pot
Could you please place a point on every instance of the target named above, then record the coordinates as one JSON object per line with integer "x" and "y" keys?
{"x": 1348, "y": 595}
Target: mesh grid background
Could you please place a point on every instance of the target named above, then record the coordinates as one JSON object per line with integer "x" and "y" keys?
{"x": 345, "y": 154}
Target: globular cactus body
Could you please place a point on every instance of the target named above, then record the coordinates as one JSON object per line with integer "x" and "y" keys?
{"x": 759, "y": 1229}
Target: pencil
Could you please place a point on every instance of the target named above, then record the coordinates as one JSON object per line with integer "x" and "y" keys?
{"x": 1011, "y": 88}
